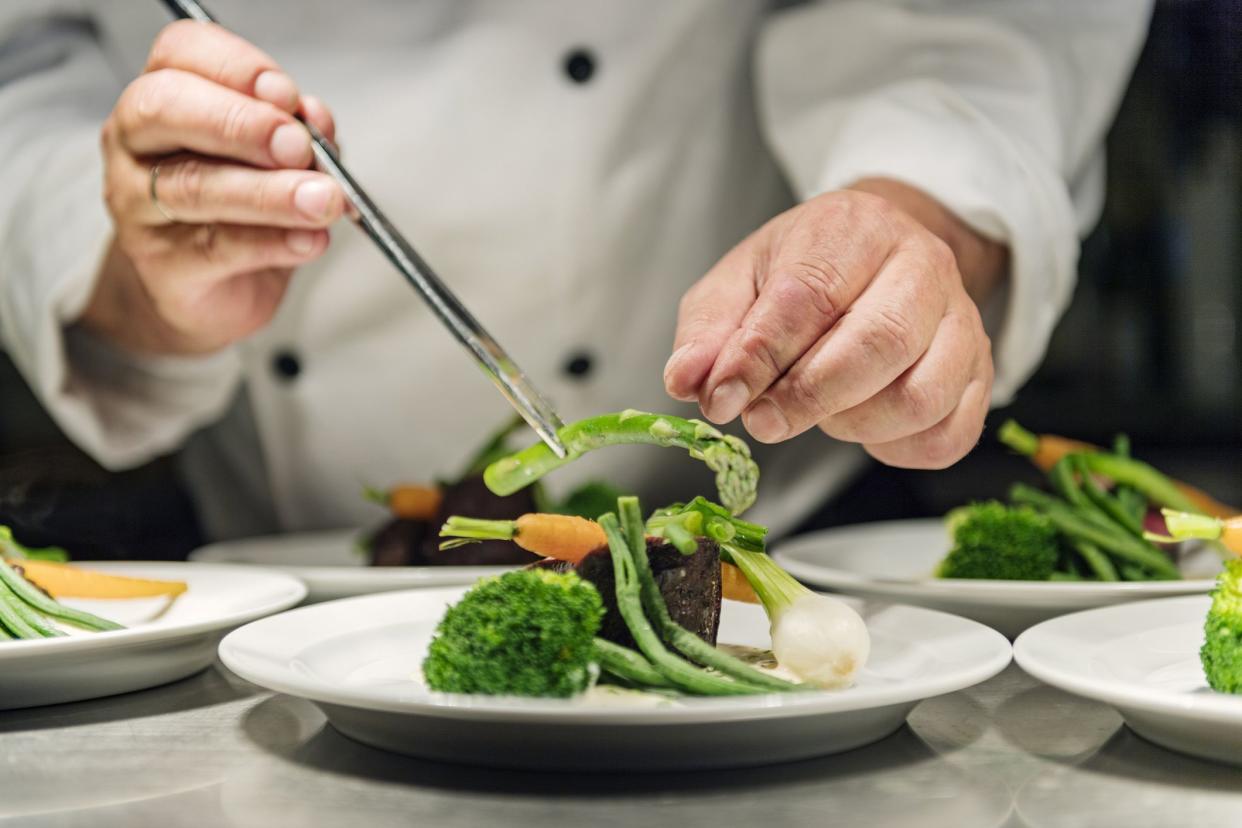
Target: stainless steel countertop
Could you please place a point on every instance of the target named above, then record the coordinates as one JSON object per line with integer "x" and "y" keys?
{"x": 213, "y": 750}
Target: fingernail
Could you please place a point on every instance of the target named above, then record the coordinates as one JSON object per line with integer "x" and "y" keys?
{"x": 727, "y": 401}
{"x": 674, "y": 362}
{"x": 276, "y": 88}
{"x": 291, "y": 145}
{"x": 765, "y": 422}
{"x": 312, "y": 198}
{"x": 301, "y": 242}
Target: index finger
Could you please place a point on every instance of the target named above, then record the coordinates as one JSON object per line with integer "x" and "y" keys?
{"x": 709, "y": 312}
{"x": 222, "y": 57}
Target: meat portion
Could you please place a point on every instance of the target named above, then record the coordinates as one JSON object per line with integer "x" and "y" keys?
{"x": 417, "y": 543}
{"x": 690, "y": 585}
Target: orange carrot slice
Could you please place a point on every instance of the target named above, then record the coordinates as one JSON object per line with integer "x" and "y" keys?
{"x": 67, "y": 581}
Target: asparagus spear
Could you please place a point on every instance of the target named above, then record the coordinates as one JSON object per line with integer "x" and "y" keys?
{"x": 737, "y": 475}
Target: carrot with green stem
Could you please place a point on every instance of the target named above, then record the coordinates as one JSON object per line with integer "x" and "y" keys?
{"x": 1046, "y": 449}
{"x": 570, "y": 538}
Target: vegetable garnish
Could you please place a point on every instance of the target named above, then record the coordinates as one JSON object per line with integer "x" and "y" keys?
{"x": 564, "y": 537}
{"x": 1098, "y": 531}
{"x": 1100, "y": 507}
{"x": 681, "y": 639}
{"x": 992, "y": 540}
{"x": 570, "y": 538}
{"x": 24, "y": 610}
{"x": 1221, "y": 653}
{"x": 1184, "y": 526}
{"x": 65, "y": 581}
{"x": 1046, "y": 449}
{"x": 526, "y": 633}
{"x": 408, "y": 501}
{"x": 676, "y": 670}
{"x": 737, "y": 475}
{"x": 820, "y": 639}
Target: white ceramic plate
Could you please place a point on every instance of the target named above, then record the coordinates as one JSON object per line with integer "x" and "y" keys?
{"x": 1143, "y": 659}
{"x": 331, "y": 566}
{"x": 359, "y": 659}
{"x": 893, "y": 561}
{"x": 162, "y": 642}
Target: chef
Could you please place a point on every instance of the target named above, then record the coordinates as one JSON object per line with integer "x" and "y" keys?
{"x": 847, "y": 226}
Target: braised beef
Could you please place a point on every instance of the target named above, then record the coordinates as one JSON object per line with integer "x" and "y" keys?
{"x": 690, "y": 585}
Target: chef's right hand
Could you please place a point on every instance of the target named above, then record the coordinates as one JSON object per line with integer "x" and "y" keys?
{"x": 205, "y": 247}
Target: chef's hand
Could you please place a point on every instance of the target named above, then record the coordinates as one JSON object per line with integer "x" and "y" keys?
{"x": 240, "y": 206}
{"x": 849, "y": 312}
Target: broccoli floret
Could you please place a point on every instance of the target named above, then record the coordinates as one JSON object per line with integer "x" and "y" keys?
{"x": 1222, "y": 634}
{"x": 992, "y": 540}
{"x": 590, "y": 500}
{"x": 525, "y": 633}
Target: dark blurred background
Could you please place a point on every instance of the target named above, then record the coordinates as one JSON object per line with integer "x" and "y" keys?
{"x": 1150, "y": 347}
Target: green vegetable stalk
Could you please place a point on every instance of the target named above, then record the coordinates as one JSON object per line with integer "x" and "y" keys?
{"x": 21, "y": 589}
{"x": 705, "y": 519}
{"x": 737, "y": 475}
{"x": 675, "y": 635}
{"x": 1097, "y": 530}
{"x": 675, "y": 669}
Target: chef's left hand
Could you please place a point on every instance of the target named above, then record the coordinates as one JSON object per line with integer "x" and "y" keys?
{"x": 848, "y": 313}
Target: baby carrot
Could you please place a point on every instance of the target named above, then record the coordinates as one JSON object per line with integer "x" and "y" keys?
{"x": 1045, "y": 450}
{"x": 409, "y": 501}
{"x": 564, "y": 537}
{"x": 567, "y": 538}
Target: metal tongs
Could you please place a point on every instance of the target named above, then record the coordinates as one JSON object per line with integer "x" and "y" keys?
{"x": 510, "y": 379}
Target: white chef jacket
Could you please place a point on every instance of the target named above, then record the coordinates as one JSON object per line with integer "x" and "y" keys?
{"x": 570, "y": 167}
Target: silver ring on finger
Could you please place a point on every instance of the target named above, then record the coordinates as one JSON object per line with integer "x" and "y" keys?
{"x": 155, "y": 199}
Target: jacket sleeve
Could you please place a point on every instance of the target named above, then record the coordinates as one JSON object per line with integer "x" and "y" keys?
{"x": 57, "y": 87}
{"x": 998, "y": 110}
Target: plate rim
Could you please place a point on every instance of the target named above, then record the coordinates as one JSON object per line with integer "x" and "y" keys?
{"x": 973, "y": 590}
{"x": 555, "y": 711}
{"x": 16, "y": 650}
{"x": 324, "y": 575}
{"x": 1114, "y": 692}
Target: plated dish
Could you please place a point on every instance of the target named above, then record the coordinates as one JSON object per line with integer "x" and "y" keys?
{"x": 896, "y": 561}
{"x": 1108, "y": 528}
{"x": 360, "y": 660}
{"x": 1144, "y": 659}
{"x": 619, "y": 645}
{"x": 162, "y": 639}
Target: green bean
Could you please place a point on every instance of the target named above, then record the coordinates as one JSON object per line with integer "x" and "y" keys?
{"x": 11, "y": 618}
{"x": 1097, "y": 560}
{"x": 675, "y": 669}
{"x": 36, "y": 599}
{"x": 1078, "y": 526}
{"x": 1158, "y": 488}
{"x": 627, "y": 664}
{"x": 1103, "y": 501}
